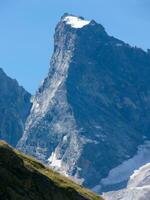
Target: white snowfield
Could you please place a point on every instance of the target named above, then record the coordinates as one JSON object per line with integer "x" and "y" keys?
{"x": 76, "y": 22}
{"x": 137, "y": 171}
{"x": 138, "y": 187}
{"x": 126, "y": 169}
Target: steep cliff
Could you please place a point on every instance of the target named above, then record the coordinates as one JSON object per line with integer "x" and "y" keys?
{"x": 92, "y": 111}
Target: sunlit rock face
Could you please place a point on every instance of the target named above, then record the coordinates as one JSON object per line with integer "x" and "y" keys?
{"x": 14, "y": 108}
{"x": 92, "y": 111}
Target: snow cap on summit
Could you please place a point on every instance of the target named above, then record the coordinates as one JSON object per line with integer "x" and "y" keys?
{"x": 75, "y": 22}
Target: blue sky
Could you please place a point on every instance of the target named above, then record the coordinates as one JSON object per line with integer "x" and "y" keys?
{"x": 27, "y": 28}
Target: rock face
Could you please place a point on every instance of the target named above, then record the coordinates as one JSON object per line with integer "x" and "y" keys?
{"x": 22, "y": 178}
{"x": 14, "y": 109}
{"x": 92, "y": 110}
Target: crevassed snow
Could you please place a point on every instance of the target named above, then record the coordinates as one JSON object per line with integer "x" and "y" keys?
{"x": 141, "y": 177}
{"x": 138, "y": 187}
{"x": 76, "y": 22}
{"x": 137, "y": 193}
{"x": 123, "y": 172}
{"x": 126, "y": 169}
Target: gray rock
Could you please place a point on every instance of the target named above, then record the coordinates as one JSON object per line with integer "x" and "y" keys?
{"x": 92, "y": 110}
{"x": 14, "y": 109}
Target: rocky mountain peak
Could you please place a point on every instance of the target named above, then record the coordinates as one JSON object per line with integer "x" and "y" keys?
{"x": 94, "y": 103}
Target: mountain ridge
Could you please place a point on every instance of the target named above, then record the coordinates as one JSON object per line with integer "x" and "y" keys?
{"x": 14, "y": 108}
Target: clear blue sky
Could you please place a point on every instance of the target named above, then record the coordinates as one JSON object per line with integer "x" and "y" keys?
{"x": 27, "y": 27}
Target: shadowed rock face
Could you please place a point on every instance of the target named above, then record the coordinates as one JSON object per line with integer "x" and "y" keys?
{"x": 92, "y": 111}
{"x": 22, "y": 178}
{"x": 14, "y": 109}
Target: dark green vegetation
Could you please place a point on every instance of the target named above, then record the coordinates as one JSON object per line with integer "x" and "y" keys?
{"x": 23, "y": 178}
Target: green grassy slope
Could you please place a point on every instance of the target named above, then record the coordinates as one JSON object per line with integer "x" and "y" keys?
{"x": 23, "y": 178}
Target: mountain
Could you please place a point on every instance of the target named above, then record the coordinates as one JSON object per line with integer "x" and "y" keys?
{"x": 14, "y": 109}
{"x": 138, "y": 186}
{"x": 23, "y": 178}
{"x": 92, "y": 111}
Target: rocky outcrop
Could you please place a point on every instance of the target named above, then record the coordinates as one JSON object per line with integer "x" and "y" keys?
{"x": 14, "y": 108}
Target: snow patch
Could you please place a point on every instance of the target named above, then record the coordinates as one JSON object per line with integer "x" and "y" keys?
{"x": 76, "y": 22}
{"x": 127, "y": 168}
{"x": 54, "y": 162}
{"x": 140, "y": 177}
{"x": 123, "y": 172}
{"x": 138, "y": 187}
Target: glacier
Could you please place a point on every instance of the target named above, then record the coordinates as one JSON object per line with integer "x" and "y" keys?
{"x": 123, "y": 172}
{"x": 138, "y": 187}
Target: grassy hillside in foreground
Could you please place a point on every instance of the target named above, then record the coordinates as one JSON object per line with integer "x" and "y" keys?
{"x": 23, "y": 178}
